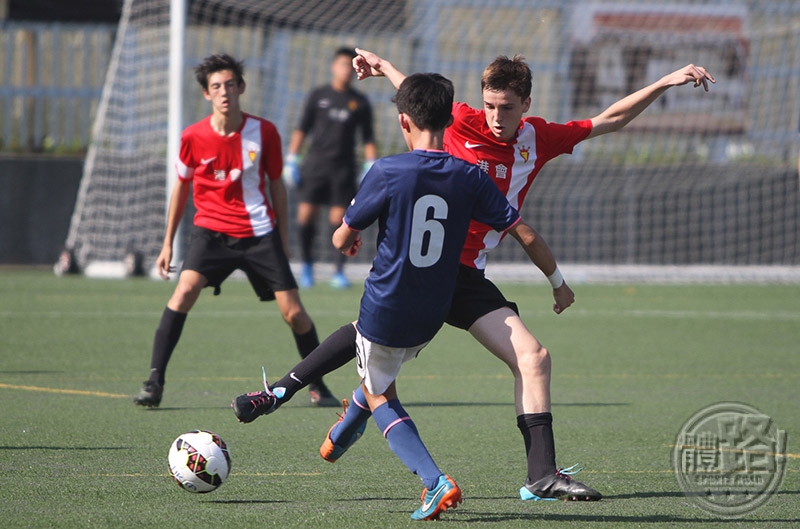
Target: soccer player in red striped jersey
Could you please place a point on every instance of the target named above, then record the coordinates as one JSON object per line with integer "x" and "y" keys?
{"x": 512, "y": 149}
{"x": 231, "y": 162}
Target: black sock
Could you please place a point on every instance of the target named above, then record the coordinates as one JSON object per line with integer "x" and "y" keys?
{"x": 307, "y": 232}
{"x": 167, "y": 335}
{"x": 537, "y": 431}
{"x": 334, "y": 352}
{"x": 306, "y": 342}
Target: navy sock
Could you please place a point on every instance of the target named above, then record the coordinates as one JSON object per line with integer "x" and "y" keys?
{"x": 537, "y": 431}
{"x": 357, "y": 414}
{"x": 404, "y": 440}
{"x": 334, "y": 352}
{"x": 167, "y": 335}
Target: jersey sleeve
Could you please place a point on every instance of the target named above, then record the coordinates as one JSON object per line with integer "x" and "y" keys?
{"x": 492, "y": 207}
{"x": 185, "y": 163}
{"x": 554, "y": 139}
{"x": 271, "y": 154}
{"x": 369, "y": 201}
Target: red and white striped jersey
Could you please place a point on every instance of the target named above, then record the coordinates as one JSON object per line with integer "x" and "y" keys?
{"x": 229, "y": 174}
{"x": 512, "y": 165}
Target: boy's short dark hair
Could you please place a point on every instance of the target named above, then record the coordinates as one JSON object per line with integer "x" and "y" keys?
{"x": 427, "y": 98}
{"x": 508, "y": 74}
{"x": 217, "y": 63}
{"x": 350, "y": 53}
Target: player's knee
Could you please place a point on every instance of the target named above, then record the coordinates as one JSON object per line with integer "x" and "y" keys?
{"x": 184, "y": 297}
{"x": 535, "y": 361}
{"x": 298, "y": 319}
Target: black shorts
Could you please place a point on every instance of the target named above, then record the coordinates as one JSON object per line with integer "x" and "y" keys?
{"x": 216, "y": 255}
{"x": 335, "y": 186}
{"x": 475, "y": 296}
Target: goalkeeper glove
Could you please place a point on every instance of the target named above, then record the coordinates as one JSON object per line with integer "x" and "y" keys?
{"x": 291, "y": 171}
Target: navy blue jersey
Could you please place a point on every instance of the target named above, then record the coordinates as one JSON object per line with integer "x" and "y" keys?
{"x": 423, "y": 202}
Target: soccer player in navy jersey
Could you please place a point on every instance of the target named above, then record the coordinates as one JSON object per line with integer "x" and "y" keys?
{"x": 512, "y": 150}
{"x": 332, "y": 116}
{"x": 231, "y": 162}
{"x": 423, "y": 201}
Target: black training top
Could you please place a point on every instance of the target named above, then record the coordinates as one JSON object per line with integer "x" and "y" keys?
{"x": 330, "y": 119}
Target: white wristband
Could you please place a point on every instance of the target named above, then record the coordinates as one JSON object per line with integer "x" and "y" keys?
{"x": 556, "y": 279}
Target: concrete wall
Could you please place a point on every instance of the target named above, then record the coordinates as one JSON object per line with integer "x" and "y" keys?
{"x": 36, "y": 203}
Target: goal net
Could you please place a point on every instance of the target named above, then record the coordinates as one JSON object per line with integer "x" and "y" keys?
{"x": 698, "y": 180}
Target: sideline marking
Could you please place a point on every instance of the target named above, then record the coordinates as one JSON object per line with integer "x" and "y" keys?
{"x": 65, "y": 391}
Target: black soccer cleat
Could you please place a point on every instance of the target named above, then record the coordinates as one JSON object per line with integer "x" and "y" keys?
{"x": 150, "y": 394}
{"x": 250, "y": 406}
{"x": 321, "y": 396}
{"x": 559, "y": 486}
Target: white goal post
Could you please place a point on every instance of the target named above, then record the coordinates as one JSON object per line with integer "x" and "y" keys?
{"x": 699, "y": 180}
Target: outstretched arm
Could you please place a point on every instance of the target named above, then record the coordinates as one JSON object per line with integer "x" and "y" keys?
{"x": 367, "y": 64}
{"x": 623, "y": 111}
{"x": 540, "y": 255}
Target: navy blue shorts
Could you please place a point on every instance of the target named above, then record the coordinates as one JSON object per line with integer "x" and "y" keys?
{"x": 215, "y": 256}
{"x": 475, "y": 296}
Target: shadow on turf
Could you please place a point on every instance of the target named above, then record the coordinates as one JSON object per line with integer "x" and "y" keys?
{"x": 64, "y": 447}
{"x": 408, "y": 404}
{"x": 676, "y": 494}
{"x": 555, "y": 404}
{"x": 182, "y": 408}
{"x": 244, "y": 502}
{"x": 467, "y": 516}
{"x": 30, "y": 372}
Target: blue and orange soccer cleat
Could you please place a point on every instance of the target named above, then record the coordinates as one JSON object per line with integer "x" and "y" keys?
{"x": 444, "y": 496}
{"x": 559, "y": 486}
{"x": 329, "y": 451}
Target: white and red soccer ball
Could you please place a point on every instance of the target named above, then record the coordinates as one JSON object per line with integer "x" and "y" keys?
{"x": 199, "y": 461}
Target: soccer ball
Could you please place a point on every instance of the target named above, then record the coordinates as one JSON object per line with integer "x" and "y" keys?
{"x": 199, "y": 461}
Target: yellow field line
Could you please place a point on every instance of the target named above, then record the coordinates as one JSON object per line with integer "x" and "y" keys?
{"x": 65, "y": 391}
